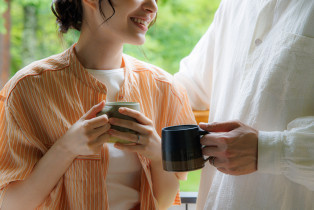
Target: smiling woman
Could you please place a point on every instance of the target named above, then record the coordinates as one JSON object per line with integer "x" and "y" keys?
{"x": 54, "y": 150}
{"x": 180, "y": 24}
{"x": 73, "y": 18}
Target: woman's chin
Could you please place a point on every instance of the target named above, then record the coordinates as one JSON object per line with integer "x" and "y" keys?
{"x": 138, "y": 41}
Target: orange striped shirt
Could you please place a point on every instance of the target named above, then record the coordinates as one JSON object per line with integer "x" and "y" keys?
{"x": 43, "y": 100}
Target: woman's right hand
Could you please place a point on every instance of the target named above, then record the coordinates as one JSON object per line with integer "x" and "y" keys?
{"x": 88, "y": 134}
{"x": 85, "y": 137}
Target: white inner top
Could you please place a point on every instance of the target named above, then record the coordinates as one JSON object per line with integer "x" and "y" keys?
{"x": 113, "y": 79}
{"x": 124, "y": 172}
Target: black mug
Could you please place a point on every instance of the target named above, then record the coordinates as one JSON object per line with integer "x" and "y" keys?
{"x": 181, "y": 148}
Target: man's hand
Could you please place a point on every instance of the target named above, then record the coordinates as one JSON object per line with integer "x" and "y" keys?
{"x": 233, "y": 146}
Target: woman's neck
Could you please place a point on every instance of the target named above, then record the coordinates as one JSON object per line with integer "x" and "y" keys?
{"x": 99, "y": 55}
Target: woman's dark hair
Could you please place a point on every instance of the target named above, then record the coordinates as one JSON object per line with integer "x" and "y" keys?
{"x": 69, "y": 13}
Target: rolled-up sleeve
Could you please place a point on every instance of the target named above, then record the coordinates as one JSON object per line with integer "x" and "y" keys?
{"x": 289, "y": 152}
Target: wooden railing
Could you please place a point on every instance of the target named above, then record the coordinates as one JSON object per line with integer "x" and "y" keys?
{"x": 188, "y": 201}
{"x": 201, "y": 116}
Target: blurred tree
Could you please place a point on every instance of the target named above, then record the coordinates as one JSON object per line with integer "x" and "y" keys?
{"x": 3, "y": 9}
{"x": 29, "y": 39}
{"x": 5, "y": 44}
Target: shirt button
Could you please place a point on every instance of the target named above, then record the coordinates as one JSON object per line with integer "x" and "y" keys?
{"x": 258, "y": 42}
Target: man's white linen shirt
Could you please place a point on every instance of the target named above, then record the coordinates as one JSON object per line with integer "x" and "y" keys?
{"x": 256, "y": 64}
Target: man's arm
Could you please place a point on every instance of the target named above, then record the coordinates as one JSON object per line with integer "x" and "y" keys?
{"x": 290, "y": 152}
{"x": 196, "y": 71}
{"x": 240, "y": 149}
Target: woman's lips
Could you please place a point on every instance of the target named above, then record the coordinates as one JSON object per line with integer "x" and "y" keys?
{"x": 141, "y": 23}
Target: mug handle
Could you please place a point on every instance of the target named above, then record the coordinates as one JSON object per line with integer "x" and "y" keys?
{"x": 201, "y": 133}
{"x": 206, "y": 159}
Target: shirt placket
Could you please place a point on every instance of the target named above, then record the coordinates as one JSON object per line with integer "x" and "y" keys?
{"x": 255, "y": 56}
{"x": 121, "y": 96}
{"x": 264, "y": 22}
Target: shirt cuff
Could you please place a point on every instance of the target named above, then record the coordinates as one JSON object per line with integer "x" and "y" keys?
{"x": 269, "y": 152}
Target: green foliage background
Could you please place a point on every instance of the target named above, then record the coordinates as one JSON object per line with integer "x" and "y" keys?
{"x": 179, "y": 26}
{"x": 3, "y": 8}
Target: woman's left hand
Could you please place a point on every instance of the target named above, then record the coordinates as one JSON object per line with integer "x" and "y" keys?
{"x": 146, "y": 142}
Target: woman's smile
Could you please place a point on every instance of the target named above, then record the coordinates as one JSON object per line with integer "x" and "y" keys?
{"x": 141, "y": 23}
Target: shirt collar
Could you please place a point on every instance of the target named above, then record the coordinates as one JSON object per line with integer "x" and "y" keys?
{"x": 85, "y": 77}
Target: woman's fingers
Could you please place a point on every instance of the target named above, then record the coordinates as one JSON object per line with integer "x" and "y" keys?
{"x": 93, "y": 111}
{"x": 140, "y": 117}
{"x": 130, "y": 148}
{"x": 129, "y": 124}
{"x": 102, "y": 139}
{"x": 95, "y": 133}
{"x": 142, "y": 126}
{"x": 135, "y": 138}
{"x": 146, "y": 142}
{"x": 96, "y": 145}
{"x": 96, "y": 122}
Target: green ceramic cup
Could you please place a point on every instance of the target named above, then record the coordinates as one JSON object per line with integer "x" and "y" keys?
{"x": 111, "y": 110}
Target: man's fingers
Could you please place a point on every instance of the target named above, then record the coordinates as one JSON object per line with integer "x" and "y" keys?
{"x": 215, "y": 161}
{"x": 233, "y": 166}
{"x": 220, "y": 127}
{"x": 93, "y": 111}
{"x": 211, "y": 151}
{"x": 212, "y": 139}
{"x": 236, "y": 171}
